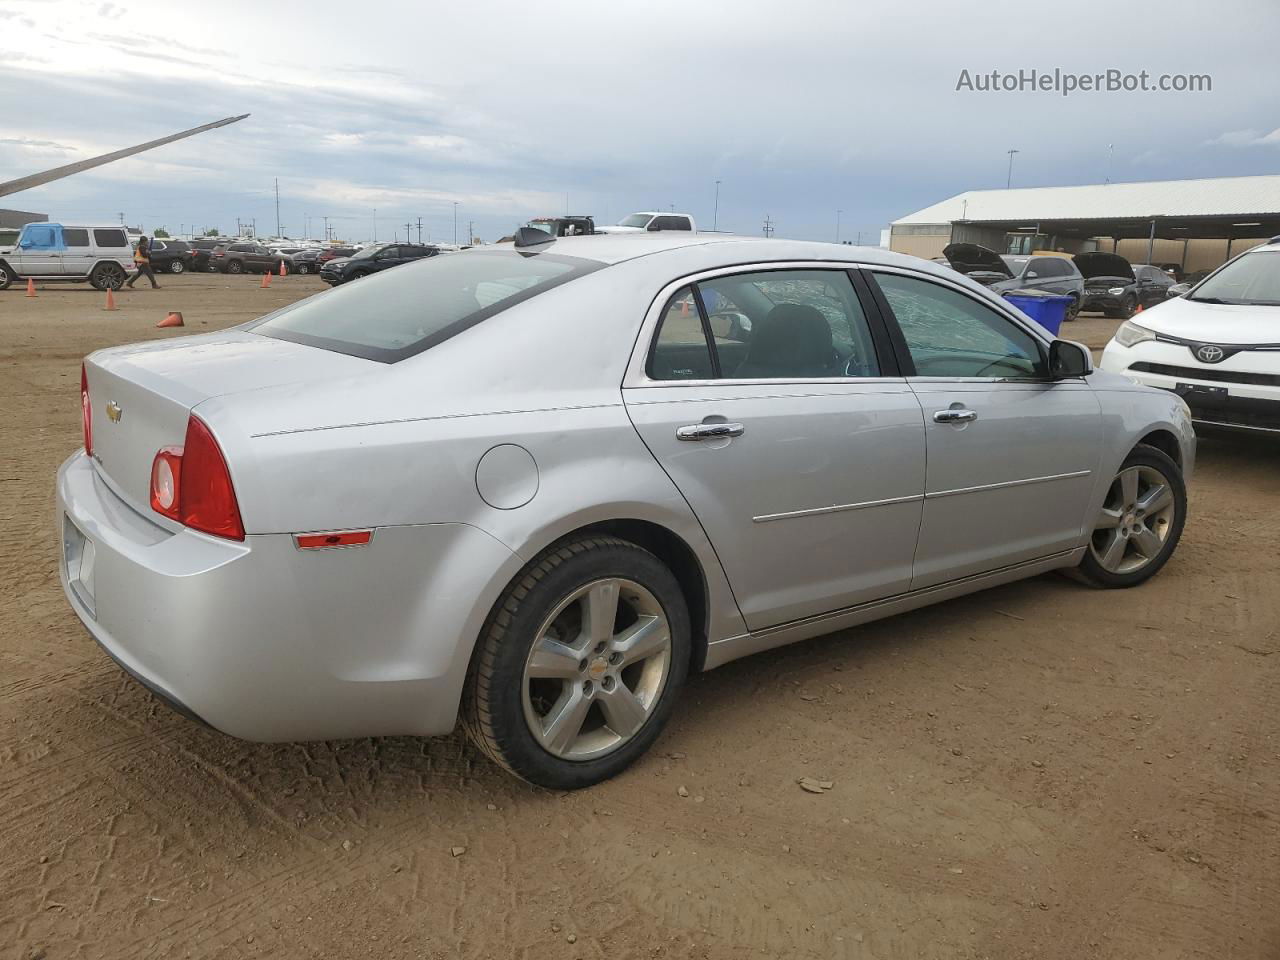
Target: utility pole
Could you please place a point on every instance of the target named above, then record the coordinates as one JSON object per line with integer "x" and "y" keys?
{"x": 239, "y": 230}
{"x": 419, "y": 229}
{"x": 1111, "y": 155}
{"x": 715, "y": 217}
{"x": 122, "y": 218}
{"x": 768, "y": 226}
{"x": 455, "y": 217}
{"x": 278, "y": 233}
{"x": 375, "y": 224}
{"x": 1009, "y": 179}
{"x": 408, "y": 232}
{"x": 326, "y": 229}
{"x": 471, "y": 231}
{"x": 838, "y": 212}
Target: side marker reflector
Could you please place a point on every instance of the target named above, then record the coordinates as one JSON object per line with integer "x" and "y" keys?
{"x": 318, "y": 541}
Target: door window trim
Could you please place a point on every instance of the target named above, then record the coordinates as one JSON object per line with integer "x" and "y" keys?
{"x": 637, "y": 372}
{"x": 996, "y": 305}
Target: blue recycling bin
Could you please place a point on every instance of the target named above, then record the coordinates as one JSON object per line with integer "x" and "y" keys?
{"x": 1046, "y": 309}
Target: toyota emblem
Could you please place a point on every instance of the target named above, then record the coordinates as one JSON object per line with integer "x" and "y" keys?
{"x": 1210, "y": 353}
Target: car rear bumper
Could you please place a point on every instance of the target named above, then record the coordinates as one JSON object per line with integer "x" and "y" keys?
{"x": 264, "y": 641}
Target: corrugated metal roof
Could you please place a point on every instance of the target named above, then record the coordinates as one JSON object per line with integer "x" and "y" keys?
{"x": 1219, "y": 196}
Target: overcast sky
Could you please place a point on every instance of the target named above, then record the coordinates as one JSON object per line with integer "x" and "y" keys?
{"x": 514, "y": 109}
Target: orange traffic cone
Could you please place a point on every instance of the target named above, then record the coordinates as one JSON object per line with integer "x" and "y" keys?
{"x": 174, "y": 319}
{"x": 111, "y": 300}
{"x": 31, "y": 287}
{"x": 283, "y": 271}
{"x": 266, "y": 280}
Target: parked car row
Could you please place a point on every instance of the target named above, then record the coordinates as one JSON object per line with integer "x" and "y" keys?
{"x": 1095, "y": 281}
{"x": 372, "y": 259}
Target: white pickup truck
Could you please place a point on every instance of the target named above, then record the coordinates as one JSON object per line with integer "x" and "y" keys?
{"x": 652, "y": 220}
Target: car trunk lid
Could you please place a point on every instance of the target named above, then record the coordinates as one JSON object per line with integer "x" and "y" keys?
{"x": 142, "y": 395}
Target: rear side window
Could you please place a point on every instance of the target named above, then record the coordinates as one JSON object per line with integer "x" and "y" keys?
{"x": 680, "y": 351}
{"x": 394, "y": 314}
{"x": 110, "y": 238}
{"x": 75, "y": 236}
{"x": 670, "y": 223}
{"x": 1051, "y": 267}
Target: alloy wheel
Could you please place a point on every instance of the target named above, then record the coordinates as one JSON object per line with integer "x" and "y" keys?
{"x": 596, "y": 670}
{"x": 1135, "y": 522}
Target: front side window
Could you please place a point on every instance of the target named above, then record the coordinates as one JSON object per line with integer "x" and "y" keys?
{"x": 771, "y": 325}
{"x": 394, "y": 314}
{"x": 952, "y": 335}
{"x": 40, "y": 237}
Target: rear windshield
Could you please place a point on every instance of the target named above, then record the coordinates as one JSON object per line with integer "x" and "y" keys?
{"x": 397, "y": 313}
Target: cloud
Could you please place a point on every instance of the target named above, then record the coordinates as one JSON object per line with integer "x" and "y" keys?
{"x": 1249, "y": 137}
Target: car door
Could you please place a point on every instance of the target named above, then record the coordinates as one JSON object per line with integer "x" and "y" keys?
{"x": 772, "y": 399}
{"x": 1152, "y": 285}
{"x": 1011, "y": 454}
{"x": 387, "y": 257}
{"x": 77, "y": 258}
{"x": 40, "y": 250}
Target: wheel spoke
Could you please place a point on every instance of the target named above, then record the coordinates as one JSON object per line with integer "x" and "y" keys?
{"x": 564, "y": 722}
{"x": 1111, "y": 555}
{"x": 1129, "y": 487}
{"x": 1156, "y": 499}
{"x": 1147, "y": 542}
{"x": 550, "y": 658}
{"x": 601, "y": 602}
{"x": 1109, "y": 520}
{"x": 623, "y": 710}
{"x": 648, "y": 637}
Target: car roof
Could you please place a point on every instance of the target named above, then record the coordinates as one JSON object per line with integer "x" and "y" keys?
{"x": 722, "y": 249}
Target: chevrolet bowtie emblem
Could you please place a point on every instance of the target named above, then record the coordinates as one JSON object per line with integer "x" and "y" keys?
{"x": 114, "y": 413}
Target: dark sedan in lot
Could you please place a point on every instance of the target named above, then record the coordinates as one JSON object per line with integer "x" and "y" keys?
{"x": 381, "y": 256}
{"x": 170, "y": 256}
{"x": 1118, "y": 288}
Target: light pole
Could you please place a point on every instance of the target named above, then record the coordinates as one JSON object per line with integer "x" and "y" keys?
{"x": 375, "y": 224}
{"x": 838, "y": 212}
{"x": 715, "y": 217}
{"x": 455, "y": 220}
{"x": 1009, "y": 179}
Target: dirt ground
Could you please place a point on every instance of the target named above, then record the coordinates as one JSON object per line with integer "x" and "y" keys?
{"x": 1040, "y": 770}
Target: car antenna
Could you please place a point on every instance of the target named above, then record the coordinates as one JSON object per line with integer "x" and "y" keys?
{"x": 532, "y": 237}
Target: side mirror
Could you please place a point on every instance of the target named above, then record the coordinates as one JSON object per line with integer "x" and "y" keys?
{"x": 1032, "y": 275}
{"x": 1177, "y": 290}
{"x": 1068, "y": 359}
{"x": 653, "y": 226}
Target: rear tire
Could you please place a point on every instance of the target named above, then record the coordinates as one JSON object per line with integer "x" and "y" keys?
{"x": 1140, "y": 523}
{"x": 107, "y": 276}
{"x": 235, "y": 266}
{"x": 302, "y": 268}
{"x": 610, "y": 629}
{"x": 1073, "y": 310}
{"x": 177, "y": 266}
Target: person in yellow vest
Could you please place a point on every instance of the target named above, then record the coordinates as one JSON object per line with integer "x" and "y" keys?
{"x": 142, "y": 257}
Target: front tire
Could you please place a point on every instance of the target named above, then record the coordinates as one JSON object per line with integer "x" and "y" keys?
{"x": 235, "y": 266}
{"x": 6, "y": 276}
{"x": 1140, "y": 522}
{"x": 580, "y": 663}
{"x": 177, "y": 266}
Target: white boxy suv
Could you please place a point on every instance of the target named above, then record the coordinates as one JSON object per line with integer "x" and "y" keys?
{"x": 101, "y": 255}
{"x": 1217, "y": 346}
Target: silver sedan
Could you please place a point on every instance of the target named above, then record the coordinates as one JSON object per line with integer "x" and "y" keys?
{"x": 535, "y": 486}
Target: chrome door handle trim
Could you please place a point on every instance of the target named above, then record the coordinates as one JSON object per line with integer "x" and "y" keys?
{"x": 709, "y": 431}
{"x": 954, "y": 416}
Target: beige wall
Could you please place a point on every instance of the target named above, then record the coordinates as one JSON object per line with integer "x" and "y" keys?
{"x": 921, "y": 244}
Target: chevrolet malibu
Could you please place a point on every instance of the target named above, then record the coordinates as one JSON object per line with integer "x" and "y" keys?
{"x": 535, "y": 487}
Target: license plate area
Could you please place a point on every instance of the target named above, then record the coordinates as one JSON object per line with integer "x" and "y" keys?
{"x": 1193, "y": 390}
{"x": 79, "y": 556}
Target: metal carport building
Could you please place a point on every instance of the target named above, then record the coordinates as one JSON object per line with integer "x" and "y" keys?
{"x": 1195, "y": 223}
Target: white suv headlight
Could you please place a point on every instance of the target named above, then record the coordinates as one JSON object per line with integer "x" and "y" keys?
{"x": 1130, "y": 334}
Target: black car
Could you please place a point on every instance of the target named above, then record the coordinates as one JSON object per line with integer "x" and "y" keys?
{"x": 170, "y": 256}
{"x": 1118, "y": 288}
{"x": 380, "y": 256}
{"x": 307, "y": 259}
{"x": 201, "y": 254}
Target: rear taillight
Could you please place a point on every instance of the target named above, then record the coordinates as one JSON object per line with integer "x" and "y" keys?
{"x": 192, "y": 485}
{"x": 86, "y": 412}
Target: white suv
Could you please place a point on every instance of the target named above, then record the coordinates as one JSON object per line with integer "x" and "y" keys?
{"x": 1217, "y": 346}
{"x": 102, "y": 255}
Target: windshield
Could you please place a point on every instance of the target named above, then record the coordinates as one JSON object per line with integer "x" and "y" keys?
{"x": 367, "y": 252}
{"x": 636, "y": 220}
{"x": 1253, "y": 279}
{"x": 395, "y": 314}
